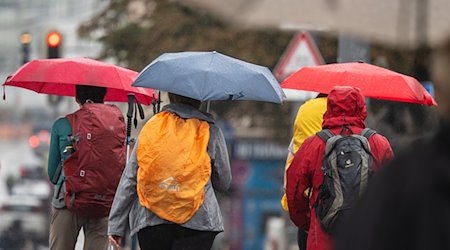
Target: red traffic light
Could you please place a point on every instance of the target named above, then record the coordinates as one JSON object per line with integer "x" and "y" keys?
{"x": 53, "y": 39}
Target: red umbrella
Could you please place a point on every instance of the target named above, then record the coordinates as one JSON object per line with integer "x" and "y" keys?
{"x": 59, "y": 77}
{"x": 374, "y": 82}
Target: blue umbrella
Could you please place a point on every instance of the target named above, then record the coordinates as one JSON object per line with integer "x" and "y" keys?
{"x": 210, "y": 76}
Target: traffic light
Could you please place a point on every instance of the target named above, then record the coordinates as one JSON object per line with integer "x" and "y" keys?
{"x": 54, "y": 40}
{"x": 25, "y": 41}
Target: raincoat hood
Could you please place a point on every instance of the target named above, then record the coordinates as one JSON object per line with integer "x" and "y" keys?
{"x": 345, "y": 107}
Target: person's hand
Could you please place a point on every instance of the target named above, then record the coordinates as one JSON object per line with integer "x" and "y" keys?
{"x": 115, "y": 241}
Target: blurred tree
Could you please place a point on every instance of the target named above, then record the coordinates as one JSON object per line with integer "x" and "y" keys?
{"x": 134, "y": 32}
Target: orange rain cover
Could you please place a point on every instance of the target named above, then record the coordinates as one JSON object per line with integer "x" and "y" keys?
{"x": 174, "y": 166}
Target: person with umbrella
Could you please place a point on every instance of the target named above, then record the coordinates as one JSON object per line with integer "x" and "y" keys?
{"x": 189, "y": 78}
{"x": 345, "y": 115}
{"x": 71, "y": 147}
{"x": 145, "y": 201}
{"x": 408, "y": 201}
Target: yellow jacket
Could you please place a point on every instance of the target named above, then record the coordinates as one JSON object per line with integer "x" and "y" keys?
{"x": 307, "y": 123}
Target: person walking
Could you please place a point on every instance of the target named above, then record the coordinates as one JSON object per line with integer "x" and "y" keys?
{"x": 345, "y": 115}
{"x": 84, "y": 187}
{"x": 167, "y": 190}
{"x": 307, "y": 122}
{"x": 409, "y": 201}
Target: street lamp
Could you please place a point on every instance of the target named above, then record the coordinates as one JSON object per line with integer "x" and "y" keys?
{"x": 25, "y": 41}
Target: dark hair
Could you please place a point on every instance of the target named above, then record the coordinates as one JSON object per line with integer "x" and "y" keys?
{"x": 174, "y": 98}
{"x": 93, "y": 93}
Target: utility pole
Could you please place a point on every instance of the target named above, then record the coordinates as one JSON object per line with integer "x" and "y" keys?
{"x": 351, "y": 49}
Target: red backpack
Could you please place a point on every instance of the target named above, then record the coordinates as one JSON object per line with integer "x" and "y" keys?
{"x": 92, "y": 172}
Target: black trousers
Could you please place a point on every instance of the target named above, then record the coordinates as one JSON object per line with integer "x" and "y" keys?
{"x": 174, "y": 237}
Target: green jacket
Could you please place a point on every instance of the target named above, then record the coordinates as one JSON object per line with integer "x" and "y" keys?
{"x": 60, "y": 130}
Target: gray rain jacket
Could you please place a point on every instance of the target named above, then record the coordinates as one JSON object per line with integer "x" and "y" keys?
{"x": 127, "y": 209}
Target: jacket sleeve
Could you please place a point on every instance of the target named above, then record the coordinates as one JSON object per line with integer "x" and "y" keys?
{"x": 54, "y": 156}
{"x": 221, "y": 170}
{"x": 381, "y": 150}
{"x": 297, "y": 181}
{"x": 124, "y": 198}
{"x": 60, "y": 129}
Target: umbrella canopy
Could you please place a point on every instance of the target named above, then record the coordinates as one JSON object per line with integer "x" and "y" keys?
{"x": 374, "y": 82}
{"x": 399, "y": 22}
{"x": 208, "y": 76}
{"x": 59, "y": 77}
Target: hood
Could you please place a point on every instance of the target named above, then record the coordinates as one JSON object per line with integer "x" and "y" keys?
{"x": 345, "y": 107}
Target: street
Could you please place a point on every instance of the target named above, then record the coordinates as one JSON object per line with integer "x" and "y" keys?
{"x": 15, "y": 154}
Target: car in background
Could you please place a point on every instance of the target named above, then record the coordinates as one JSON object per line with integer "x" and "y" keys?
{"x": 39, "y": 139}
{"x": 32, "y": 181}
{"x": 32, "y": 172}
{"x": 37, "y": 188}
{"x": 41, "y": 121}
{"x": 30, "y": 211}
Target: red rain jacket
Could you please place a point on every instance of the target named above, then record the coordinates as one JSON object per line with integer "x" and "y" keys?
{"x": 345, "y": 107}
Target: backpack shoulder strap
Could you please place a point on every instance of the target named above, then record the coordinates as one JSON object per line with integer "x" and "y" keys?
{"x": 325, "y": 134}
{"x": 367, "y": 132}
{"x": 364, "y": 137}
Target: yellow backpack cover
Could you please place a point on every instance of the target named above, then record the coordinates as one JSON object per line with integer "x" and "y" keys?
{"x": 174, "y": 166}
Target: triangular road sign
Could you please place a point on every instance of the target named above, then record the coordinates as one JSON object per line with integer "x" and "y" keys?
{"x": 301, "y": 51}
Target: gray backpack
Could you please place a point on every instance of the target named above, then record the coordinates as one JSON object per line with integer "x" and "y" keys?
{"x": 347, "y": 166}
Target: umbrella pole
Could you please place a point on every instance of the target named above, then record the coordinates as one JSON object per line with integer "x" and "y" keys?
{"x": 208, "y": 105}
